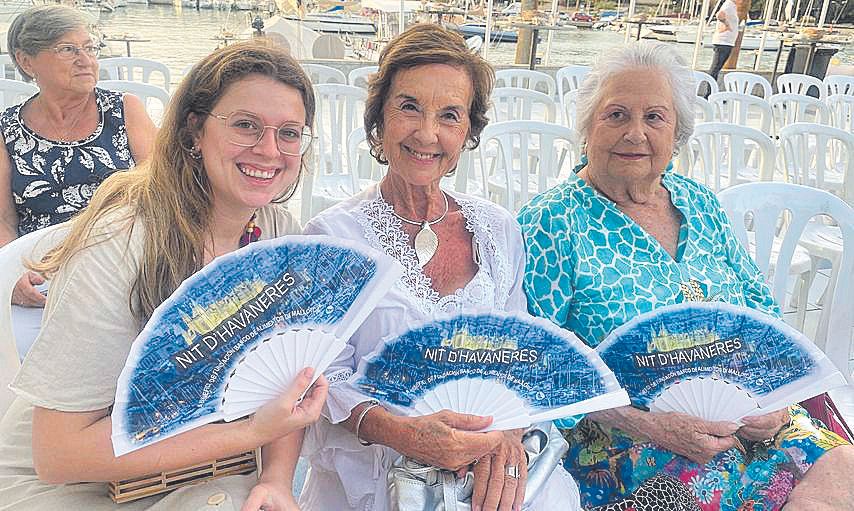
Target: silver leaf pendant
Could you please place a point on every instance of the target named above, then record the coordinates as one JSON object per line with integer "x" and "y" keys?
{"x": 426, "y": 243}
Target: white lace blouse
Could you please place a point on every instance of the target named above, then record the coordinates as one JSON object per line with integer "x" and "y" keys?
{"x": 344, "y": 474}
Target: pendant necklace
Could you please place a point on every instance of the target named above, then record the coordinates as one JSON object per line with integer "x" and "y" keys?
{"x": 426, "y": 241}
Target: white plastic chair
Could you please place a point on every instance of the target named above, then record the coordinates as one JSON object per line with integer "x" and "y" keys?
{"x": 796, "y": 83}
{"x": 707, "y": 79}
{"x": 359, "y": 159}
{"x": 134, "y": 69}
{"x": 339, "y": 111}
{"x": 742, "y": 109}
{"x": 516, "y": 104}
{"x": 8, "y": 69}
{"x": 318, "y": 74}
{"x": 519, "y": 159}
{"x": 359, "y": 77}
{"x": 703, "y": 110}
{"x": 839, "y": 84}
{"x": 819, "y": 156}
{"x": 722, "y": 155}
{"x": 790, "y": 108}
{"x": 841, "y": 108}
{"x": 155, "y": 98}
{"x": 765, "y": 204}
{"x": 526, "y": 79}
{"x": 569, "y": 78}
{"x": 12, "y": 258}
{"x": 746, "y": 83}
{"x": 569, "y": 108}
{"x": 15, "y": 92}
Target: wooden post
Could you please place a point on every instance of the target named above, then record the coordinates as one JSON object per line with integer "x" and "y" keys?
{"x": 523, "y": 43}
{"x": 743, "y": 13}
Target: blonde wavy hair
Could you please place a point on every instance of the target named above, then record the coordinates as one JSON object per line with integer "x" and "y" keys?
{"x": 170, "y": 193}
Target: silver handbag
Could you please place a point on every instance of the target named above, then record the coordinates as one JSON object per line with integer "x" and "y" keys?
{"x": 417, "y": 487}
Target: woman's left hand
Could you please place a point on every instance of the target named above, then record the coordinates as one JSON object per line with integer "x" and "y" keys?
{"x": 763, "y": 427}
{"x": 494, "y": 488}
{"x": 268, "y": 496}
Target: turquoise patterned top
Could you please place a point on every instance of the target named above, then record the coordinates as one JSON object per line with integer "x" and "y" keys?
{"x": 591, "y": 268}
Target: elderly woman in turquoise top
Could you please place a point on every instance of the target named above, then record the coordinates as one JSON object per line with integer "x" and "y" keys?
{"x": 625, "y": 235}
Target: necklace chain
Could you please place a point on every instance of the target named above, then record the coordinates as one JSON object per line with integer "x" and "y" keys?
{"x": 65, "y": 135}
{"x": 413, "y": 222}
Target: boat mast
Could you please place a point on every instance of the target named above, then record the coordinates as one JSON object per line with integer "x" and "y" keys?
{"x": 701, "y": 29}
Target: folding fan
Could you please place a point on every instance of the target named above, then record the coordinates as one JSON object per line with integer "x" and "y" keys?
{"x": 513, "y": 367}
{"x": 716, "y": 361}
{"x": 235, "y": 334}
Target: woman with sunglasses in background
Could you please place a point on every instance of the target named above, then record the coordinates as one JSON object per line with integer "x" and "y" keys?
{"x": 63, "y": 142}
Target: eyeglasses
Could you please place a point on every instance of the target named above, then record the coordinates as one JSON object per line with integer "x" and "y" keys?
{"x": 68, "y": 51}
{"x": 246, "y": 129}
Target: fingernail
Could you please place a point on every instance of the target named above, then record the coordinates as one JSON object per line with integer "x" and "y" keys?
{"x": 308, "y": 372}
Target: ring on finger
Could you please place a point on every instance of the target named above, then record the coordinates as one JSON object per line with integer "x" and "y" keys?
{"x": 512, "y": 471}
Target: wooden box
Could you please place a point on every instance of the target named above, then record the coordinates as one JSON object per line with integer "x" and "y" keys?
{"x": 154, "y": 484}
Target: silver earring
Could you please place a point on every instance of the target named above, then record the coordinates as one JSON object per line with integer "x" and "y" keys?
{"x": 195, "y": 153}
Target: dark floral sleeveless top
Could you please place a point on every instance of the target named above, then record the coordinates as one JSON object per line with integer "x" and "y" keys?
{"x": 53, "y": 180}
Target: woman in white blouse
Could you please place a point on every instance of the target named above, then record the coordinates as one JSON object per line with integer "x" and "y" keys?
{"x": 425, "y": 104}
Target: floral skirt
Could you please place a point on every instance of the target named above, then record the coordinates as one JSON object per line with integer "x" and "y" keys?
{"x": 617, "y": 472}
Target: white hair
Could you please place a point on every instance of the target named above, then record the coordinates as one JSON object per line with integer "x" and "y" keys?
{"x": 658, "y": 58}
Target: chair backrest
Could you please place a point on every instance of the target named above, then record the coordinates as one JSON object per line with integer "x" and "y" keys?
{"x": 705, "y": 80}
{"x": 515, "y": 104}
{"x": 767, "y": 206}
{"x": 796, "y": 83}
{"x": 569, "y": 108}
{"x": 155, "y": 98}
{"x": 318, "y": 74}
{"x": 722, "y": 154}
{"x": 12, "y": 259}
{"x": 841, "y": 108}
{"x": 359, "y": 77}
{"x": 526, "y": 79}
{"x": 339, "y": 111}
{"x": 820, "y": 156}
{"x": 521, "y": 158}
{"x": 569, "y": 78}
{"x": 8, "y": 69}
{"x": 742, "y": 109}
{"x": 790, "y": 108}
{"x": 15, "y": 92}
{"x": 703, "y": 110}
{"x": 359, "y": 159}
{"x": 747, "y": 83}
{"x": 839, "y": 84}
{"x": 134, "y": 69}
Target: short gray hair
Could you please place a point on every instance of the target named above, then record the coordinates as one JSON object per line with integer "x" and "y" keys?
{"x": 643, "y": 54}
{"x": 40, "y": 27}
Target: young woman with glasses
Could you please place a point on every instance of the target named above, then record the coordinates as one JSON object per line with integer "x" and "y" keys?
{"x": 215, "y": 181}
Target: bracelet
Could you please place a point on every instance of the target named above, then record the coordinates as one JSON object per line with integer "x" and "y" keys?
{"x": 373, "y": 403}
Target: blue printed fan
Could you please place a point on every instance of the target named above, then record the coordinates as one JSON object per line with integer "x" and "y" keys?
{"x": 234, "y": 335}
{"x": 716, "y": 361}
{"x": 513, "y": 367}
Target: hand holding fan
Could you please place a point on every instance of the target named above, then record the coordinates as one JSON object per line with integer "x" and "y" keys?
{"x": 716, "y": 361}
{"x": 233, "y": 335}
{"x": 513, "y": 367}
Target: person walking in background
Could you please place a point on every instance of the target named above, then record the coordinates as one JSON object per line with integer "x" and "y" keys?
{"x": 726, "y": 32}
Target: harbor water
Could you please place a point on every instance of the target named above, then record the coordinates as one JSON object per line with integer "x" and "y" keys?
{"x": 180, "y": 36}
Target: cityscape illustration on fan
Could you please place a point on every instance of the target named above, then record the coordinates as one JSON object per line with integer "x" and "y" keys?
{"x": 235, "y": 334}
{"x": 511, "y": 366}
{"x": 716, "y": 361}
